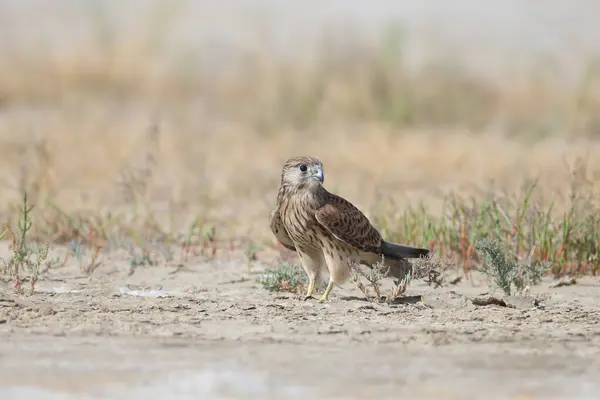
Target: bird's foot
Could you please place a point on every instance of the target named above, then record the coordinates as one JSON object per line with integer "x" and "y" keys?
{"x": 310, "y": 290}
{"x": 325, "y": 296}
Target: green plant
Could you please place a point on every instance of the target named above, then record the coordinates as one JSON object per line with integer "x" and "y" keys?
{"x": 284, "y": 278}
{"x": 25, "y": 256}
{"x": 526, "y": 223}
{"x": 510, "y": 275}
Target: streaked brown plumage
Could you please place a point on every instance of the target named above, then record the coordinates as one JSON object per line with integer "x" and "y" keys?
{"x": 327, "y": 230}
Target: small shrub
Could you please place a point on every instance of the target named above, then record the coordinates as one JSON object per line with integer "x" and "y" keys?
{"x": 425, "y": 268}
{"x": 284, "y": 278}
{"x": 505, "y": 270}
{"x": 25, "y": 256}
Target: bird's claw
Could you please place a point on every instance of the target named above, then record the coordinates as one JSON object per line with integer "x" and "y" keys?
{"x": 324, "y": 299}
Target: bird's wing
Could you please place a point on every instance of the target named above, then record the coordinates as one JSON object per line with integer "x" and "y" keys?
{"x": 348, "y": 224}
{"x": 279, "y": 231}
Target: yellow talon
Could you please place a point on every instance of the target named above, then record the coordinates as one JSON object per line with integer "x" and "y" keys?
{"x": 325, "y": 296}
{"x": 311, "y": 289}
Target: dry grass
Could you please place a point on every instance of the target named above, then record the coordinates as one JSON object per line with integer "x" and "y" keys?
{"x": 121, "y": 144}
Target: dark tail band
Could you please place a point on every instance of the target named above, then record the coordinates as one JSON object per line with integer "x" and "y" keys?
{"x": 393, "y": 250}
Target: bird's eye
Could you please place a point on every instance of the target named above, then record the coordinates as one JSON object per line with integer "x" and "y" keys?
{"x": 303, "y": 168}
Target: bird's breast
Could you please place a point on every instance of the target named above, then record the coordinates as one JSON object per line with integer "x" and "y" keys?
{"x": 298, "y": 218}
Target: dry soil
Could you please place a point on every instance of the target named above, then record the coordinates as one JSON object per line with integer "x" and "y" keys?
{"x": 209, "y": 330}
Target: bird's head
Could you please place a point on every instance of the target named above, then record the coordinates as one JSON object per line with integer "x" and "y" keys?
{"x": 302, "y": 172}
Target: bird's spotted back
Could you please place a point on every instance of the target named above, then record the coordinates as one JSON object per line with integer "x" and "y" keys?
{"x": 348, "y": 224}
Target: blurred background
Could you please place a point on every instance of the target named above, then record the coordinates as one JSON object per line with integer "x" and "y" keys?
{"x": 178, "y": 109}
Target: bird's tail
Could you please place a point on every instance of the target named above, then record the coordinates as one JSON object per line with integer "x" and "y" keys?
{"x": 396, "y": 251}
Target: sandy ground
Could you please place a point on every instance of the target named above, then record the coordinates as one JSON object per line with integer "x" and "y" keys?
{"x": 209, "y": 330}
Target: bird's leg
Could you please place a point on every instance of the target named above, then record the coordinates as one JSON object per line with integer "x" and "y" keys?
{"x": 325, "y": 296}
{"x": 310, "y": 263}
{"x": 311, "y": 287}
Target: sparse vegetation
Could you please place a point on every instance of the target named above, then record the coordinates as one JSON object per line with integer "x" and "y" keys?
{"x": 26, "y": 258}
{"x": 430, "y": 269}
{"x": 510, "y": 275}
{"x": 530, "y": 229}
{"x": 284, "y": 277}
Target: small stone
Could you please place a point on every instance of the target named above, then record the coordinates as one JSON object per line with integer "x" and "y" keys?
{"x": 521, "y": 302}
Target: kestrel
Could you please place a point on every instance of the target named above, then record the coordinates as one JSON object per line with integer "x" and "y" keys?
{"x": 327, "y": 230}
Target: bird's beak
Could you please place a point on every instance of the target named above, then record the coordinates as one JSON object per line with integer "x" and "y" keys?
{"x": 318, "y": 174}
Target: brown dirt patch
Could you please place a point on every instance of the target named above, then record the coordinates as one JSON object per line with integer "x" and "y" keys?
{"x": 217, "y": 332}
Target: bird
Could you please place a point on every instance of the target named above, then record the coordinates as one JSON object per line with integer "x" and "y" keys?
{"x": 328, "y": 231}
